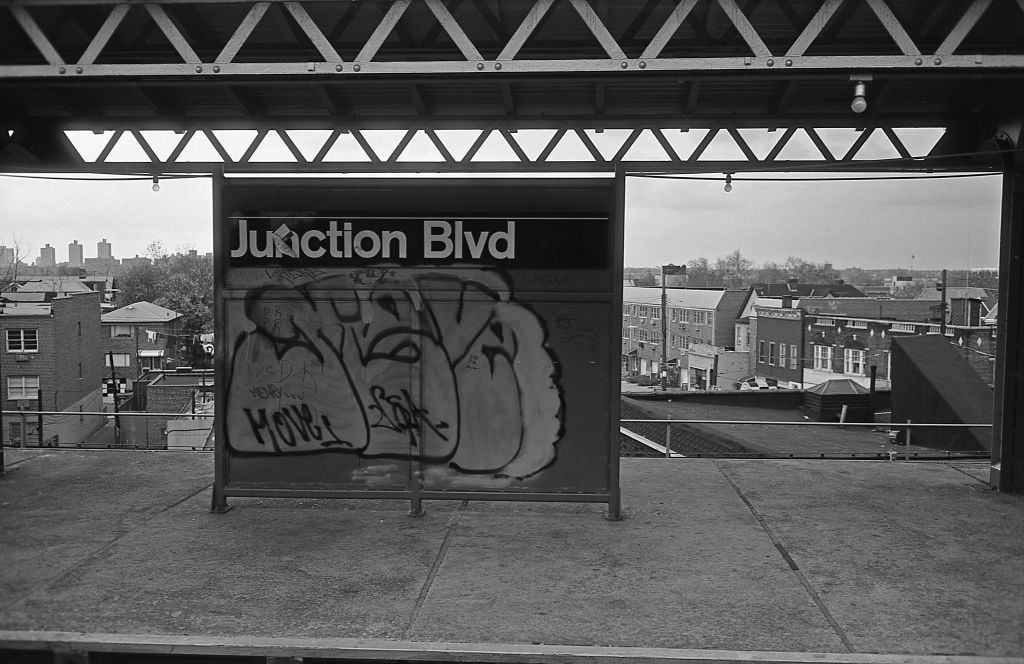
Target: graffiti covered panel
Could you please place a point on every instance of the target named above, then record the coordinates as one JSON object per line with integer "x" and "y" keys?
{"x": 378, "y": 352}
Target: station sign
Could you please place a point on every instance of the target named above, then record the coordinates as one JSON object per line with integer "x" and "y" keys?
{"x": 421, "y": 339}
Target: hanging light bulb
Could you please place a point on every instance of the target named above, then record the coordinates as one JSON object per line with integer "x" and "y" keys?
{"x": 860, "y": 102}
{"x": 156, "y": 183}
{"x": 728, "y": 182}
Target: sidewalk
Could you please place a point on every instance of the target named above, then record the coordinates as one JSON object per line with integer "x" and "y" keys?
{"x": 847, "y": 558}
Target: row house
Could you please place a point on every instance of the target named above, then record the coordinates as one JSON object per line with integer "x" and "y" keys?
{"x": 780, "y": 295}
{"x": 822, "y": 339}
{"x": 698, "y": 329}
{"x": 139, "y": 337}
{"x": 49, "y": 363}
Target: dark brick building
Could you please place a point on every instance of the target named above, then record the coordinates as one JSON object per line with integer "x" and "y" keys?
{"x": 51, "y": 361}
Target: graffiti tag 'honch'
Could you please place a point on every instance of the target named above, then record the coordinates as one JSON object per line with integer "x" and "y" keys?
{"x": 442, "y": 366}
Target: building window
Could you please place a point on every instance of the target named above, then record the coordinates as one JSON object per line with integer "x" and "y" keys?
{"x": 121, "y": 331}
{"x": 825, "y": 322}
{"x": 903, "y": 327}
{"x": 79, "y": 371}
{"x": 119, "y": 359}
{"x": 22, "y": 387}
{"x": 793, "y": 357}
{"x": 79, "y": 328}
{"x": 771, "y": 353}
{"x": 823, "y": 358}
{"x": 857, "y": 324}
{"x": 22, "y": 341}
{"x": 853, "y": 361}
{"x": 782, "y": 355}
{"x": 760, "y": 352}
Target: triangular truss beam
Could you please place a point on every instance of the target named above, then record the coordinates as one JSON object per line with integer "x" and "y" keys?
{"x": 502, "y": 150}
{"x": 758, "y": 46}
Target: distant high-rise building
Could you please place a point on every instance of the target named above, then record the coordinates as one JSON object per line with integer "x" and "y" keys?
{"x": 103, "y": 249}
{"x": 75, "y": 254}
{"x": 6, "y": 255}
{"x": 47, "y": 257}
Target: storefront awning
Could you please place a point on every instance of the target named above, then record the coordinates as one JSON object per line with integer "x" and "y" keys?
{"x": 151, "y": 353}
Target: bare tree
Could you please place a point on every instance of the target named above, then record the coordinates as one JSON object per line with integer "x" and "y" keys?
{"x": 735, "y": 269}
{"x": 11, "y": 261}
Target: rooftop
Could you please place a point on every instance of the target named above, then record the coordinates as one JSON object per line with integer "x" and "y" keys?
{"x": 684, "y": 298}
{"x": 715, "y": 560}
{"x": 140, "y": 312}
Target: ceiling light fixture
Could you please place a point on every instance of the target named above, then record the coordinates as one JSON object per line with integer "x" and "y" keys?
{"x": 860, "y": 102}
{"x": 156, "y": 183}
{"x": 728, "y": 182}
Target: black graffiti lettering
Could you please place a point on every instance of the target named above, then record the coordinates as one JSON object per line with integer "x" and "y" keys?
{"x": 284, "y": 428}
{"x": 398, "y": 412}
{"x": 335, "y": 440}
{"x": 569, "y": 323}
{"x": 271, "y": 391}
{"x": 301, "y": 418}
{"x": 259, "y": 425}
{"x": 291, "y": 424}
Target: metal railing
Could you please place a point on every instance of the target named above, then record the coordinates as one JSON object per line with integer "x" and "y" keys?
{"x": 889, "y": 427}
{"x": 662, "y": 448}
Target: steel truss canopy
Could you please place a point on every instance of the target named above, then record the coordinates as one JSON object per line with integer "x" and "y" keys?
{"x": 506, "y": 85}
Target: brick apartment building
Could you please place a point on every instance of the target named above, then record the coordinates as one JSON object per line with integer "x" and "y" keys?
{"x": 699, "y": 327}
{"x": 846, "y": 337}
{"x": 50, "y": 361}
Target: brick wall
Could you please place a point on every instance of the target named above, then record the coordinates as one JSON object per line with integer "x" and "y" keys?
{"x": 162, "y": 398}
{"x": 77, "y": 349}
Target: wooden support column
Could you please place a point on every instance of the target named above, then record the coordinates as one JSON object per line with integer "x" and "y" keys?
{"x": 1007, "y": 472}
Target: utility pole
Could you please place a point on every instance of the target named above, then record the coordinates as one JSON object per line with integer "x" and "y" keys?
{"x": 941, "y": 286}
{"x": 666, "y": 270}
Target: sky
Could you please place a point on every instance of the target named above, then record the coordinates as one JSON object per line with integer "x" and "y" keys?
{"x": 913, "y": 224}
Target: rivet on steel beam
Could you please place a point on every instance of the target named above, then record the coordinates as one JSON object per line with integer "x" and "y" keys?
{"x": 62, "y": 70}
{"x": 789, "y": 63}
{"x": 78, "y": 70}
{"x": 624, "y": 64}
{"x": 480, "y": 66}
{"x": 338, "y": 67}
{"x": 216, "y": 69}
{"x": 643, "y": 65}
{"x": 771, "y": 62}
{"x": 356, "y": 68}
{"x": 918, "y": 61}
{"x": 937, "y": 61}
{"x": 199, "y": 70}
{"x": 497, "y": 65}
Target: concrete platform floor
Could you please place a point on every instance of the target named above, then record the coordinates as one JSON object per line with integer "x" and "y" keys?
{"x": 716, "y": 560}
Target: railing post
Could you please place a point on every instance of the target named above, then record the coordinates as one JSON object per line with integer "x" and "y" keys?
{"x": 668, "y": 440}
{"x": 24, "y": 425}
{"x": 906, "y": 456}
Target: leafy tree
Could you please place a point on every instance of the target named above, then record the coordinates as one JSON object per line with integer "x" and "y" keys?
{"x": 182, "y": 283}
{"x": 188, "y": 289}
{"x": 140, "y": 282}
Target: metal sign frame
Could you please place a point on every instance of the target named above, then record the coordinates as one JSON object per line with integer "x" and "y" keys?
{"x": 237, "y": 475}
